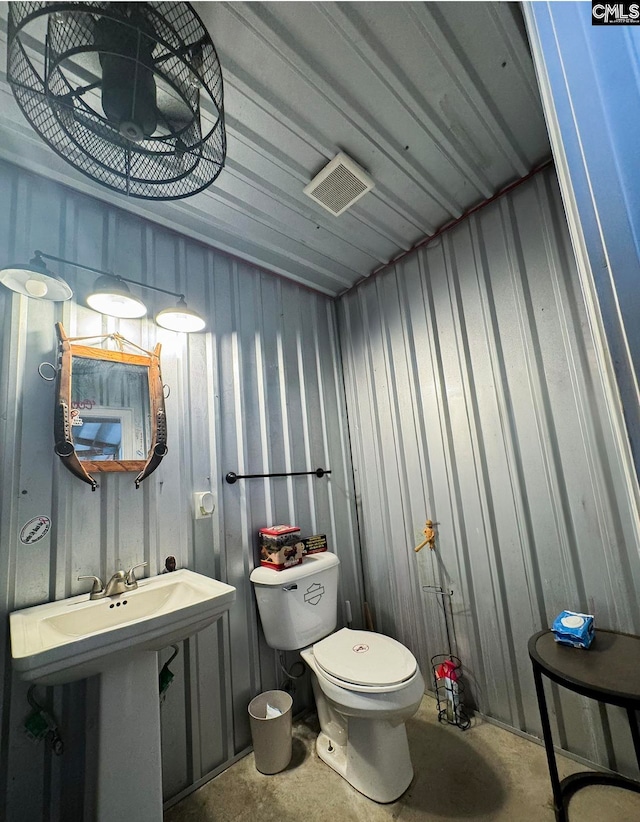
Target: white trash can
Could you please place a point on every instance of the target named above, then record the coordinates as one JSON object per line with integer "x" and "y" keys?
{"x": 270, "y": 719}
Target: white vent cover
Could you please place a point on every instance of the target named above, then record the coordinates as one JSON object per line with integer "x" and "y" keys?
{"x": 340, "y": 183}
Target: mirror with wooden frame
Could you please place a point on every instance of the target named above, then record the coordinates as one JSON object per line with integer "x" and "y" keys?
{"x": 110, "y": 413}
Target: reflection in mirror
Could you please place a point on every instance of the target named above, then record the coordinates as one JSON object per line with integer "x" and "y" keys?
{"x": 105, "y": 434}
{"x": 110, "y": 413}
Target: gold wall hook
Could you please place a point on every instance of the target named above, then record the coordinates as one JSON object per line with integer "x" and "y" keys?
{"x": 430, "y": 536}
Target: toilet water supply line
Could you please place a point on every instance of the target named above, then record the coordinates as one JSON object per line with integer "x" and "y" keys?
{"x": 40, "y": 724}
{"x": 166, "y": 676}
{"x": 289, "y": 684}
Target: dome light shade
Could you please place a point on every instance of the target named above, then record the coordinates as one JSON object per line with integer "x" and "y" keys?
{"x": 181, "y": 318}
{"x": 111, "y": 296}
{"x": 34, "y": 280}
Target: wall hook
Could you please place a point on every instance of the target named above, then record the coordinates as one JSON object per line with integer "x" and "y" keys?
{"x": 52, "y": 367}
{"x": 430, "y": 536}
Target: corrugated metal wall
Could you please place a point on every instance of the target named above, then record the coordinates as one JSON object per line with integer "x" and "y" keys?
{"x": 261, "y": 391}
{"x": 476, "y": 398}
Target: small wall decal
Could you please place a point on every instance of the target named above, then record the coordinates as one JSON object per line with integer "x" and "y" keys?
{"x": 34, "y": 530}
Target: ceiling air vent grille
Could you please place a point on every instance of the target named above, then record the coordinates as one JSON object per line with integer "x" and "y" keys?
{"x": 339, "y": 185}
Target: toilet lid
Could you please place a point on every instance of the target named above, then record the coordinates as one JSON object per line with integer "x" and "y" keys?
{"x": 364, "y": 658}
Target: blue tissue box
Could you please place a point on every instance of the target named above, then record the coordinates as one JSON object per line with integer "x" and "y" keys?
{"x": 572, "y": 628}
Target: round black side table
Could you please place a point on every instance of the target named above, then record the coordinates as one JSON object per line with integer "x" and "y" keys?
{"x": 608, "y": 671}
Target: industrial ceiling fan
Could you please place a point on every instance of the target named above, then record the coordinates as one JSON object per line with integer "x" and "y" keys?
{"x": 128, "y": 93}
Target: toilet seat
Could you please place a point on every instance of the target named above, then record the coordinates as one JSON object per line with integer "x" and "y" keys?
{"x": 364, "y": 661}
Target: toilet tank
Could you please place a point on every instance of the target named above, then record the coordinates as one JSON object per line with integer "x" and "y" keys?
{"x": 298, "y": 606}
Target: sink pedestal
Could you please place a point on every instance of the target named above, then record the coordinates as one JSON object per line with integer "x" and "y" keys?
{"x": 127, "y": 746}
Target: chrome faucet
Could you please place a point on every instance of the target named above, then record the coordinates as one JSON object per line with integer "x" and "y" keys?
{"x": 119, "y": 583}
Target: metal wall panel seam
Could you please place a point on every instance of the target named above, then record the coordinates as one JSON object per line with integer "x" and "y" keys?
{"x": 511, "y": 451}
{"x": 241, "y": 487}
{"x": 284, "y": 414}
{"x": 482, "y": 471}
{"x": 10, "y": 426}
{"x": 393, "y": 474}
{"x": 438, "y": 573}
{"x": 404, "y": 564}
{"x": 217, "y": 482}
{"x": 475, "y": 509}
{"x": 263, "y": 410}
{"x": 340, "y": 483}
{"x": 192, "y": 702}
{"x": 460, "y": 557}
{"x": 303, "y": 371}
{"x": 432, "y": 573}
{"x": 411, "y": 419}
{"x": 18, "y": 756}
{"x": 488, "y": 498}
{"x": 378, "y": 479}
{"x": 321, "y": 410}
{"x": 355, "y": 430}
{"x": 192, "y": 712}
{"x": 541, "y": 404}
{"x": 342, "y": 357}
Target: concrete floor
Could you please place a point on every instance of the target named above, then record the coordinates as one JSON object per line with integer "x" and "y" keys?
{"x": 485, "y": 773}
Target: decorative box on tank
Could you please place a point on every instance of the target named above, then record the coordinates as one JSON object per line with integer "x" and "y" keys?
{"x": 280, "y": 547}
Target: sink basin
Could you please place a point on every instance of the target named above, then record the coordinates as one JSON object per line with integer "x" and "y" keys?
{"x": 74, "y": 638}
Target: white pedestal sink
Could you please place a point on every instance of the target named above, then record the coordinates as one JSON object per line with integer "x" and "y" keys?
{"x": 117, "y": 638}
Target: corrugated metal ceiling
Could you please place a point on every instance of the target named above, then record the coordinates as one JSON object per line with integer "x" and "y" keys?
{"x": 437, "y": 101}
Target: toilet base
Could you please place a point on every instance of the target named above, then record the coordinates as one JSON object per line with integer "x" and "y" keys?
{"x": 375, "y": 759}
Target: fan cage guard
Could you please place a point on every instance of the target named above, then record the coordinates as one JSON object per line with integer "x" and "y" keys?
{"x": 170, "y": 166}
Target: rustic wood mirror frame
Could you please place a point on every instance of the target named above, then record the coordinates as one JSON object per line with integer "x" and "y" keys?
{"x": 64, "y": 445}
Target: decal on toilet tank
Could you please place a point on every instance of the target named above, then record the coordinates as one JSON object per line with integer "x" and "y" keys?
{"x": 314, "y": 593}
{"x": 361, "y": 648}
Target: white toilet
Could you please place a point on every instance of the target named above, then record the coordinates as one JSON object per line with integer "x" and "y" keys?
{"x": 366, "y": 685}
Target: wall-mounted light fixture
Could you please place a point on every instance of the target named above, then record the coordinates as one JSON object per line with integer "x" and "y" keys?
{"x": 111, "y": 294}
